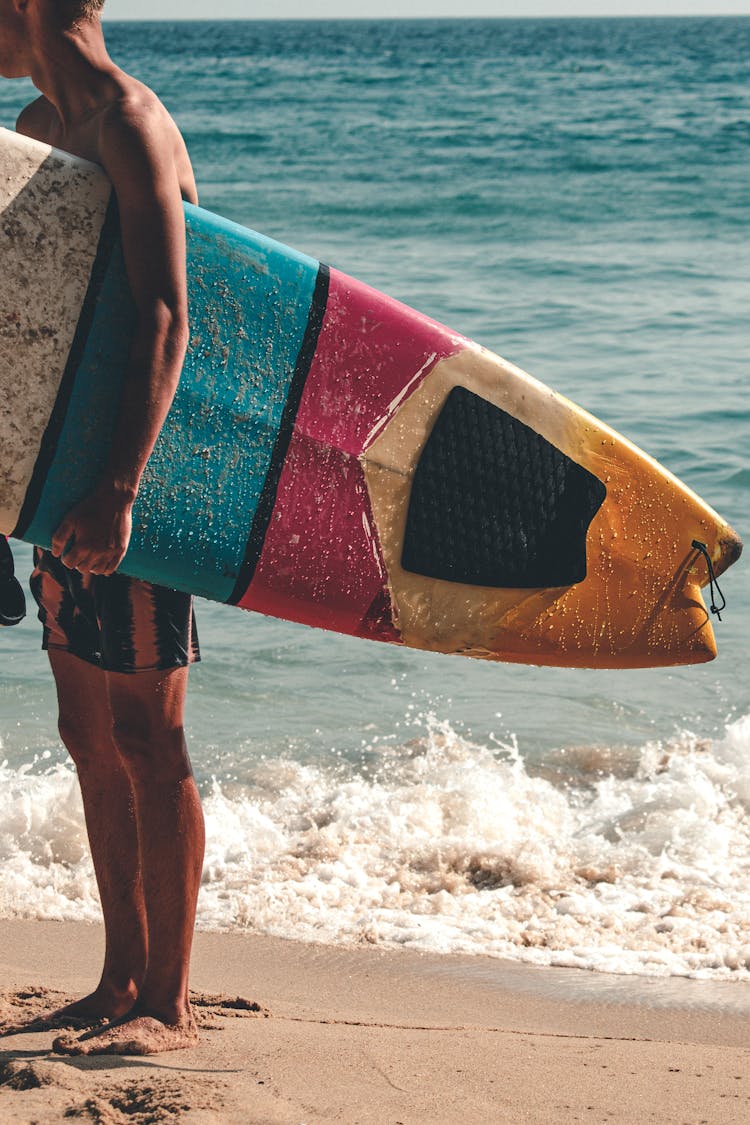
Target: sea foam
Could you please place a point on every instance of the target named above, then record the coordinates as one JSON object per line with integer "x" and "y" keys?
{"x": 629, "y": 860}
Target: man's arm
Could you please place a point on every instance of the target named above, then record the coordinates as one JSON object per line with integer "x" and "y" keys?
{"x": 138, "y": 158}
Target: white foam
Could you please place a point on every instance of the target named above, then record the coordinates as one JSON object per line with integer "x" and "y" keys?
{"x": 629, "y": 861}
{"x": 46, "y": 867}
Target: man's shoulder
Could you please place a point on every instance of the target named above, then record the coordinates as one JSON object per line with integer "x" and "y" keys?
{"x": 134, "y": 123}
{"x": 37, "y": 120}
{"x": 137, "y": 110}
{"x": 138, "y": 139}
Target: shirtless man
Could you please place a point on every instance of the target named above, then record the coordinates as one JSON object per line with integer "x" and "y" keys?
{"x": 120, "y": 693}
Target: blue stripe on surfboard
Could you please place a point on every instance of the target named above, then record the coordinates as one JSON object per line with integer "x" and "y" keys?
{"x": 250, "y": 301}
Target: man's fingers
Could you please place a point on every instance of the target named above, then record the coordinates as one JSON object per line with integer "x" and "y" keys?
{"x": 87, "y": 542}
{"x": 78, "y": 556}
{"x": 74, "y": 559}
{"x": 107, "y": 566}
{"x": 91, "y": 562}
{"x": 63, "y": 539}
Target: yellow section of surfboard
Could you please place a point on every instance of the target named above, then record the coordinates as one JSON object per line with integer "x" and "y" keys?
{"x": 640, "y": 603}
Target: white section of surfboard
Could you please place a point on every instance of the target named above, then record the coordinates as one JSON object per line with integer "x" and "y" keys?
{"x": 52, "y": 207}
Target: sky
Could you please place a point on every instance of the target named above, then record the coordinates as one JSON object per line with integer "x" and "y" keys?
{"x": 383, "y": 9}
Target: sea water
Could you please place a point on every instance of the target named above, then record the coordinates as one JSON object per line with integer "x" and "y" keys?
{"x": 576, "y": 196}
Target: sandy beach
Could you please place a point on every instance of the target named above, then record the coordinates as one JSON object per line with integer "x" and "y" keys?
{"x": 296, "y": 1033}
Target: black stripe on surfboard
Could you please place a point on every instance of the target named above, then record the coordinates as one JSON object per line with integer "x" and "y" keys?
{"x": 48, "y": 447}
{"x": 267, "y": 500}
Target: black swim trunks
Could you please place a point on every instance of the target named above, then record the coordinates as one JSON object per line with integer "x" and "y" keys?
{"x": 119, "y": 624}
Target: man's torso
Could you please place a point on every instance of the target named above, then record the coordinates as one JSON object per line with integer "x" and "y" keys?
{"x": 41, "y": 121}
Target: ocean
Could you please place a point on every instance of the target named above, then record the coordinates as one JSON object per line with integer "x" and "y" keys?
{"x": 575, "y": 195}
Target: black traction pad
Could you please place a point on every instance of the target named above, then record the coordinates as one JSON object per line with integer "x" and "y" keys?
{"x": 493, "y": 503}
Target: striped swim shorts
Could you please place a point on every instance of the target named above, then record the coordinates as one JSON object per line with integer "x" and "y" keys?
{"x": 119, "y": 624}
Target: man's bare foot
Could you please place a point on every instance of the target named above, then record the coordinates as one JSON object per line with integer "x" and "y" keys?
{"x": 132, "y": 1035}
{"x": 92, "y": 1011}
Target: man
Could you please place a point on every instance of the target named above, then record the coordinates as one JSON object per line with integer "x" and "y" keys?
{"x": 121, "y": 692}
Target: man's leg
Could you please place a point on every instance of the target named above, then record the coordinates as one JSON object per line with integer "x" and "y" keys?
{"x": 147, "y": 712}
{"x": 85, "y": 721}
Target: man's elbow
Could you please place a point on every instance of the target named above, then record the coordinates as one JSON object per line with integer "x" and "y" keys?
{"x": 166, "y": 325}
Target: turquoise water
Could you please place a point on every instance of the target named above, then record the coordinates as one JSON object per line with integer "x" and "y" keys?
{"x": 574, "y": 195}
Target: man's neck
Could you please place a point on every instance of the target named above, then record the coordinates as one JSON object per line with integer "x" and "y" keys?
{"x": 75, "y": 73}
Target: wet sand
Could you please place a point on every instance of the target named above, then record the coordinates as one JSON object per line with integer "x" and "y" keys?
{"x": 296, "y": 1034}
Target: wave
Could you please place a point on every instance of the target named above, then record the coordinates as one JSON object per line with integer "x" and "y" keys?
{"x": 626, "y": 860}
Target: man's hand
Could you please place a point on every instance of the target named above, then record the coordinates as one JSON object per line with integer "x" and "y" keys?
{"x": 94, "y": 535}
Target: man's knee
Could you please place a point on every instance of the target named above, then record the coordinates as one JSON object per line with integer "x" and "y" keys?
{"x": 87, "y": 741}
{"x": 150, "y": 748}
{"x": 147, "y": 712}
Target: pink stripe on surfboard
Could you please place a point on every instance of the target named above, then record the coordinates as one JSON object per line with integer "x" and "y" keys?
{"x": 372, "y": 353}
{"x": 321, "y": 561}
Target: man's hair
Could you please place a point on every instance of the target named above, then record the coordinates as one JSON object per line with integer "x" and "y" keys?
{"x": 73, "y": 11}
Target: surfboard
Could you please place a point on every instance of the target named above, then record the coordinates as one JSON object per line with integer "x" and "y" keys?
{"x": 333, "y": 457}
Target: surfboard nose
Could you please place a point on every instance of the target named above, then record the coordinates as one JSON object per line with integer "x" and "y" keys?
{"x": 731, "y": 547}
{"x": 514, "y": 526}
